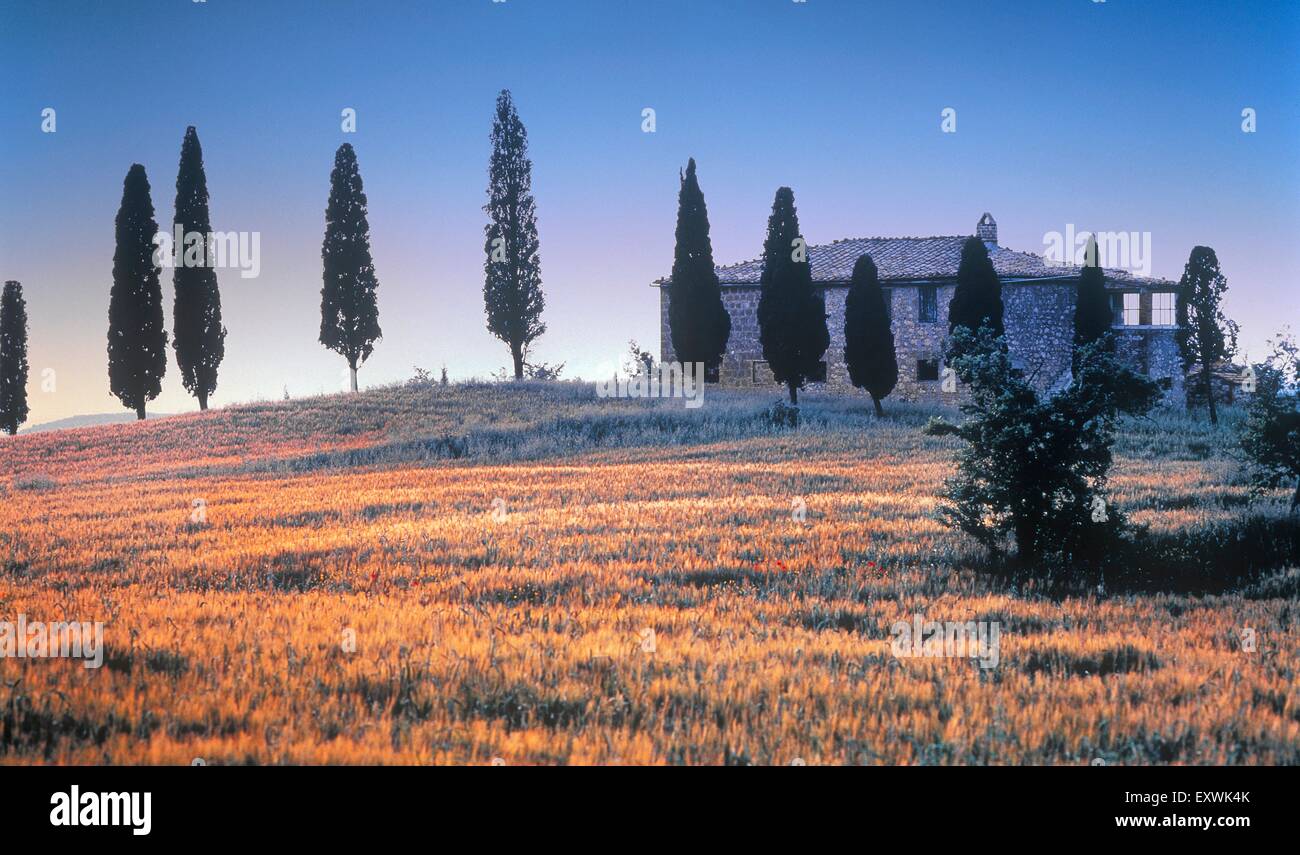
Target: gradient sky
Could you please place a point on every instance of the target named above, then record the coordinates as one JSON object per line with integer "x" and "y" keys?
{"x": 1121, "y": 115}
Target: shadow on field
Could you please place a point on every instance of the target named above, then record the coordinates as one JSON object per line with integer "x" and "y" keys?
{"x": 1232, "y": 555}
{"x": 529, "y": 431}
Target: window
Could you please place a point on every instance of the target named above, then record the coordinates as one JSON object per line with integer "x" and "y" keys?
{"x": 1116, "y": 310}
{"x": 1162, "y": 309}
{"x": 929, "y": 305}
{"x": 927, "y": 370}
{"x": 888, "y": 296}
{"x": 1132, "y": 310}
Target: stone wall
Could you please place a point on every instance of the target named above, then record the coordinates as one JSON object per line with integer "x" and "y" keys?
{"x": 743, "y": 364}
{"x": 1154, "y": 352}
{"x": 916, "y": 340}
{"x": 1039, "y": 321}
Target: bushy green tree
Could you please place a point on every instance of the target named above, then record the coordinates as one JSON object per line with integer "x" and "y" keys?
{"x": 868, "y": 338}
{"x": 137, "y": 340}
{"x": 1205, "y": 335}
{"x": 13, "y": 358}
{"x": 1271, "y": 433}
{"x": 698, "y": 323}
{"x": 198, "y": 336}
{"x": 791, "y": 312}
{"x": 349, "y": 310}
{"x": 512, "y": 286}
{"x": 1036, "y": 470}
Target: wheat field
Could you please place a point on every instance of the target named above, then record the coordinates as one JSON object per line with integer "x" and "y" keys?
{"x": 524, "y": 574}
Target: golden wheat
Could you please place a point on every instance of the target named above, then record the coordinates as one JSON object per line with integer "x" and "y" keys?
{"x": 647, "y": 604}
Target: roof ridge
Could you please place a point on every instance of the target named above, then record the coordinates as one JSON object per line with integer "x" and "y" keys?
{"x": 927, "y": 257}
{"x": 837, "y": 241}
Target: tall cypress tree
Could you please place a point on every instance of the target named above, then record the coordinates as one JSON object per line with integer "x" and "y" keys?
{"x": 868, "y": 338}
{"x": 137, "y": 339}
{"x": 697, "y": 320}
{"x": 13, "y": 358}
{"x": 512, "y": 286}
{"x": 1205, "y": 336}
{"x": 349, "y": 312}
{"x": 1092, "y": 314}
{"x": 199, "y": 338}
{"x": 977, "y": 301}
{"x": 791, "y": 312}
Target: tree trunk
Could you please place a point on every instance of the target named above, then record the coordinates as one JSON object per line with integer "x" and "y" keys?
{"x": 517, "y": 354}
{"x": 794, "y": 394}
{"x": 139, "y": 412}
{"x": 203, "y": 402}
{"x": 1209, "y": 391}
{"x": 352, "y": 367}
{"x": 880, "y": 411}
{"x": 1026, "y": 547}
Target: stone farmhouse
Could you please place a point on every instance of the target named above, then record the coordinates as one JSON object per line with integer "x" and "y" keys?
{"x": 919, "y": 276}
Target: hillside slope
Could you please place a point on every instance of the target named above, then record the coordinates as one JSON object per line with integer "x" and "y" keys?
{"x": 574, "y": 580}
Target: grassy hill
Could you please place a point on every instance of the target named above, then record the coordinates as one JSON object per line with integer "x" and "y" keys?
{"x": 90, "y": 420}
{"x": 526, "y": 572}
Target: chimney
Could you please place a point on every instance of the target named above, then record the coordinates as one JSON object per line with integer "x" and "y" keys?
{"x": 987, "y": 230}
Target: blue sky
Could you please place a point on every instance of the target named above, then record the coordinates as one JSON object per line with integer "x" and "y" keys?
{"x": 1120, "y": 116}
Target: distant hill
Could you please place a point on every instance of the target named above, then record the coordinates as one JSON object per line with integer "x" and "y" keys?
{"x": 87, "y": 421}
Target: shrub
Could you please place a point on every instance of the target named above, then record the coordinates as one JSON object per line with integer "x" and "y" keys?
{"x": 781, "y": 415}
{"x": 1270, "y": 436}
{"x": 1036, "y": 470}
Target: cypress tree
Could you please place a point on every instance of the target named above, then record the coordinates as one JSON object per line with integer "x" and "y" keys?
{"x": 137, "y": 339}
{"x": 791, "y": 312}
{"x": 512, "y": 286}
{"x": 868, "y": 339}
{"x": 1092, "y": 314}
{"x": 349, "y": 312}
{"x": 198, "y": 337}
{"x": 1205, "y": 336}
{"x": 13, "y": 358}
{"x": 977, "y": 300}
{"x": 698, "y": 322}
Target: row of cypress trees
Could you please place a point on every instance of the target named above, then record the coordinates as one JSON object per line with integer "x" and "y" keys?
{"x": 1205, "y": 335}
{"x": 792, "y": 311}
{"x": 349, "y": 325}
{"x": 512, "y": 278}
{"x": 137, "y": 338}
